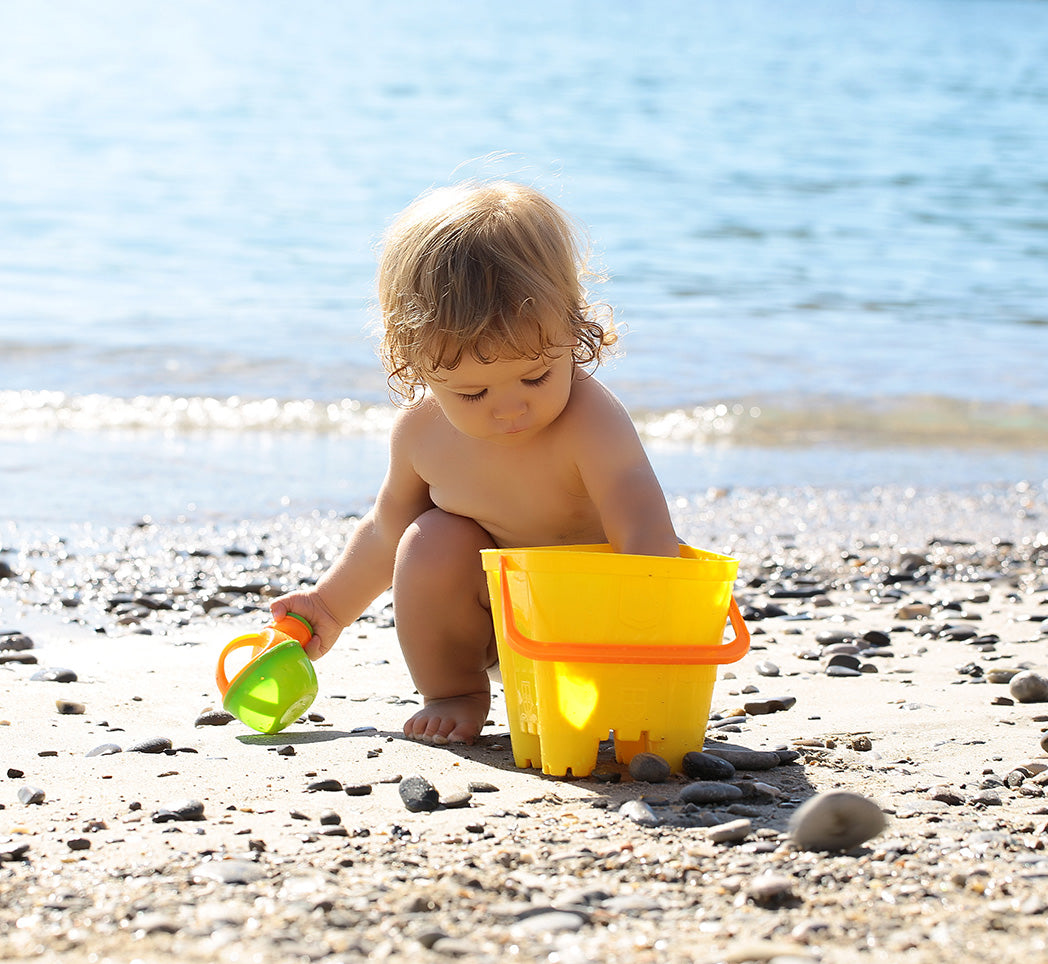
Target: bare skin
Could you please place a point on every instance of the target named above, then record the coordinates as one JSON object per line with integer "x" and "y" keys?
{"x": 515, "y": 452}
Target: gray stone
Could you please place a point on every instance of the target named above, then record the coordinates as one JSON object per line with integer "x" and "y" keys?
{"x": 324, "y": 786}
{"x": 156, "y": 744}
{"x": 55, "y": 674}
{"x": 214, "y": 718}
{"x": 639, "y": 812}
{"x": 180, "y": 810}
{"x": 418, "y": 794}
{"x": 233, "y": 871}
{"x": 548, "y": 922}
{"x": 769, "y": 889}
{"x": 650, "y": 768}
{"x": 731, "y": 832}
{"x": 106, "y": 749}
{"x": 707, "y": 766}
{"x": 1029, "y": 687}
{"x": 842, "y": 671}
{"x": 15, "y": 642}
{"x": 744, "y": 759}
{"x": 836, "y": 821}
{"x": 31, "y": 795}
{"x": 707, "y": 791}
{"x": 11, "y": 851}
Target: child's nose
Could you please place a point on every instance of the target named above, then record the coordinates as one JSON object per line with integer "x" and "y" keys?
{"x": 510, "y": 408}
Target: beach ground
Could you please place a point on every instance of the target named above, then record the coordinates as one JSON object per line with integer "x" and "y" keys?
{"x": 226, "y": 845}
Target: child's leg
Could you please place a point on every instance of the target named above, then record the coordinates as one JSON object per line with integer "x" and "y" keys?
{"x": 443, "y": 619}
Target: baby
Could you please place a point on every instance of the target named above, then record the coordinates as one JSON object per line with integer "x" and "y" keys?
{"x": 504, "y": 439}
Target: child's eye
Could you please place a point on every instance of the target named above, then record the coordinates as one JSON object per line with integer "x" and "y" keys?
{"x": 475, "y": 397}
{"x": 540, "y": 379}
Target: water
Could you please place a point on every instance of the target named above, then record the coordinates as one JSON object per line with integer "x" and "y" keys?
{"x": 825, "y": 226}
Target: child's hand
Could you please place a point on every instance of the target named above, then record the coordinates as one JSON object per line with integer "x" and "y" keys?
{"x": 311, "y": 607}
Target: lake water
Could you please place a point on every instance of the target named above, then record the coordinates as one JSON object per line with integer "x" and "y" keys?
{"x": 825, "y": 226}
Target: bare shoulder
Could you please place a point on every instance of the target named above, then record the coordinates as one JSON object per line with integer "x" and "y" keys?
{"x": 412, "y": 424}
{"x": 593, "y": 404}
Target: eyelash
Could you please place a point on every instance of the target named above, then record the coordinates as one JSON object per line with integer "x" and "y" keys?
{"x": 531, "y": 382}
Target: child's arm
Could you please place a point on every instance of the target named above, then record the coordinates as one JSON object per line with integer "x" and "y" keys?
{"x": 365, "y": 568}
{"x": 619, "y": 478}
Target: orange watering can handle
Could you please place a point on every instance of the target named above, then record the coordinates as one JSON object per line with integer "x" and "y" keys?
{"x": 292, "y": 625}
{"x": 258, "y": 642}
{"x": 621, "y": 652}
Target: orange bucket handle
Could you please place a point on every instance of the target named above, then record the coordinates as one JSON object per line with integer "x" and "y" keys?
{"x": 621, "y": 652}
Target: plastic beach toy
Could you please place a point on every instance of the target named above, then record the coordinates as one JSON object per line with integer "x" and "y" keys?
{"x": 277, "y": 684}
{"x": 593, "y": 642}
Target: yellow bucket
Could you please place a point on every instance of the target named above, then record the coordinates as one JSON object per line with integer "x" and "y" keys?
{"x": 593, "y": 642}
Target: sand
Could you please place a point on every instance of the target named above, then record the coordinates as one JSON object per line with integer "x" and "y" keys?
{"x": 523, "y": 865}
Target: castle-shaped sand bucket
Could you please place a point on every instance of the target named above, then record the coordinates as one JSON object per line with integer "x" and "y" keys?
{"x": 593, "y": 642}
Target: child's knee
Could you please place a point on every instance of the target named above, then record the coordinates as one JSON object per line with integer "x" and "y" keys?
{"x": 439, "y": 546}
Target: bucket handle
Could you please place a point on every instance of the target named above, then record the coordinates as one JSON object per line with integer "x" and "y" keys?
{"x": 620, "y": 652}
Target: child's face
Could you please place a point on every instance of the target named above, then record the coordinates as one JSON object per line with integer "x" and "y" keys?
{"x": 506, "y": 401}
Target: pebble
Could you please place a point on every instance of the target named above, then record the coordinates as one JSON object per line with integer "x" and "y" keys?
{"x": 324, "y": 786}
{"x": 214, "y": 718}
{"x": 771, "y": 705}
{"x": 232, "y": 871}
{"x": 640, "y": 813}
{"x": 767, "y": 668}
{"x": 11, "y": 851}
{"x": 842, "y": 671}
{"x": 358, "y": 790}
{"x": 31, "y": 795}
{"x": 706, "y": 766}
{"x": 54, "y": 675}
{"x": 836, "y": 820}
{"x": 1001, "y": 675}
{"x": 15, "y": 641}
{"x": 708, "y": 791}
{"x": 105, "y": 749}
{"x": 947, "y": 795}
{"x": 913, "y": 611}
{"x": 418, "y": 794}
{"x": 1029, "y": 687}
{"x": 744, "y": 759}
{"x": 456, "y": 800}
{"x": 769, "y": 889}
{"x": 546, "y": 922}
{"x": 731, "y": 832}
{"x": 482, "y": 786}
{"x": 70, "y": 708}
{"x": 650, "y": 768}
{"x": 180, "y": 810}
{"x": 156, "y": 744}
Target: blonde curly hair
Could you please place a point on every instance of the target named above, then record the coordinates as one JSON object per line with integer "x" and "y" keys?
{"x": 485, "y": 268}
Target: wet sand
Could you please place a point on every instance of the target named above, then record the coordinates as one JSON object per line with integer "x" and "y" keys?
{"x": 227, "y": 845}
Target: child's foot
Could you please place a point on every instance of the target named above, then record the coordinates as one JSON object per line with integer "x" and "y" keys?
{"x": 455, "y": 719}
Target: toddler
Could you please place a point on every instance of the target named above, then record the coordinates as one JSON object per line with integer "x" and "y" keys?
{"x": 504, "y": 439}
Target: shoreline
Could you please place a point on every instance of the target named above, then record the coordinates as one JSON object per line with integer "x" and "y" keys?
{"x": 539, "y": 865}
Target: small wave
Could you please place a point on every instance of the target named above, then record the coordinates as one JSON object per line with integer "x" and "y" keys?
{"x": 798, "y": 421}
{"x": 915, "y": 420}
{"x": 34, "y": 412}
